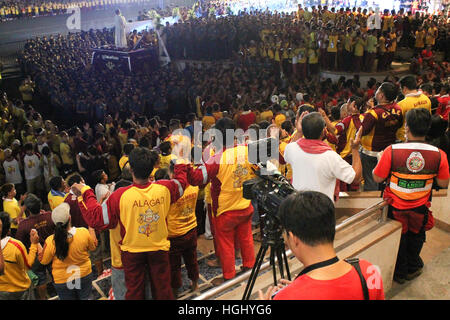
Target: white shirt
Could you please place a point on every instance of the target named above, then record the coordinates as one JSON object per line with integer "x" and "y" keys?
{"x": 12, "y": 172}
{"x": 317, "y": 172}
{"x": 32, "y": 166}
{"x": 102, "y": 189}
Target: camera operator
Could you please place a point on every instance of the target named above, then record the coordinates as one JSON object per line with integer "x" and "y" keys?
{"x": 315, "y": 166}
{"x": 411, "y": 168}
{"x": 227, "y": 170}
{"x": 309, "y": 224}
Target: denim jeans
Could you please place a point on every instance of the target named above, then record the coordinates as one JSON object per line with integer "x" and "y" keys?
{"x": 118, "y": 283}
{"x": 82, "y": 293}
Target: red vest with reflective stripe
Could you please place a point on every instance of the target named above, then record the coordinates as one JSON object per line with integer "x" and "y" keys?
{"x": 414, "y": 166}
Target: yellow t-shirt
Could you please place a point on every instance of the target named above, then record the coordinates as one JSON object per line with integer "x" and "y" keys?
{"x": 66, "y": 155}
{"x": 55, "y": 200}
{"x": 164, "y": 161}
{"x": 123, "y": 161}
{"x": 266, "y": 115}
{"x": 11, "y": 206}
{"x": 420, "y": 36}
{"x": 208, "y": 122}
{"x": 279, "y": 119}
{"x": 80, "y": 243}
{"x": 332, "y": 43}
{"x": 17, "y": 262}
{"x": 411, "y": 101}
{"x": 181, "y": 218}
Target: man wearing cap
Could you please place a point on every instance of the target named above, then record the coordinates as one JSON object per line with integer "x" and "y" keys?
{"x": 42, "y": 222}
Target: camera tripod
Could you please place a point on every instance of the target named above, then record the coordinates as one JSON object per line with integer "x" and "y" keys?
{"x": 271, "y": 237}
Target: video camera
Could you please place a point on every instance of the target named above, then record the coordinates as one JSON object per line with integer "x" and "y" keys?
{"x": 268, "y": 191}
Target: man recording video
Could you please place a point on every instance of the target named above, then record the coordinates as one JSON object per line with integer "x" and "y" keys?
{"x": 309, "y": 224}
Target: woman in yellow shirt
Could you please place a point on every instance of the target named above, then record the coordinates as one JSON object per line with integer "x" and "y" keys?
{"x": 68, "y": 250}
{"x": 15, "y": 284}
{"x": 11, "y": 205}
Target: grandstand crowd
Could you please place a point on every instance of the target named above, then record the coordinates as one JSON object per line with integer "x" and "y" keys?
{"x": 75, "y": 124}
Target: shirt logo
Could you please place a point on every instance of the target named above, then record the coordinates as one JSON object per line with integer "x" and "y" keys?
{"x": 415, "y": 162}
{"x": 147, "y": 222}
{"x": 239, "y": 174}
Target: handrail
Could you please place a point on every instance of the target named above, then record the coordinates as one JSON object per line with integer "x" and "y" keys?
{"x": 244, "y": 276}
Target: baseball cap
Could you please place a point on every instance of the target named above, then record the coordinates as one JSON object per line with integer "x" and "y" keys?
{"x": 283, "y": 103}
{"x": 16, "y": 141}
{"x": 61, "y": 213}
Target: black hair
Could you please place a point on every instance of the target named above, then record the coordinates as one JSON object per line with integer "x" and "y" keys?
{"x": 287, "y": 125}
{"x": 312, "y": 125}
{"x": 5, "y": 189}
{"x": 427, "y": 87}
{"x": 76, "y": 178}
{"x": 56, "y": 182}
{"x": 418, "y": 121}
{"x": 97, "y": 175}
{"x": 46, "y": 151}
{"x": 6, "y": 222}
{"x": 142, "y": 162}
{"x": 223, "y": 125}
{"x": 310, "y": 216}
{"x": 408, "y": 81}
{"x": 144, "y": 143}
{"x": 162, "y": 174}
{"x": 33, "y": 204}
{"x": 264, "y": 124}
{"x": 389, "y": 90}
{"x": 336, "y": 113}
{"x": 127, "y": 148}
{"x": 303, "y": 108}
{"x": 165, "y": 147}
{"x": 438, "y": 127}
{"x": 60, "y": 238}
{"x": 28, "y": 146}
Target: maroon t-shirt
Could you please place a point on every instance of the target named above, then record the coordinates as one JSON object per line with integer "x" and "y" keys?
{"x": 41, "y": 222}
{"x": 246, "y": 119}
{"x": 75, "y": 212}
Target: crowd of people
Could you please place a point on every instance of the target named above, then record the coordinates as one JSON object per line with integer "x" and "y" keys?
{"x": 102, "y": 140}
{"x": 11, "y": 10}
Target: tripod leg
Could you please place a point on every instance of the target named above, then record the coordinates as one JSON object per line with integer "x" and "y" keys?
{"x": 272, "y": 262}
{"x": 286, "y": 263}
{"x": 254, "y": 274}
{"x": 280, "y": 261}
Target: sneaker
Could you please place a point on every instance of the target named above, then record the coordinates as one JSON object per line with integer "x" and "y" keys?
{"x": 399, "y": 279}
{"x": 413, "y": 275}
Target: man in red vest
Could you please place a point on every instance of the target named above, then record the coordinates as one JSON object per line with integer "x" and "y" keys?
{"x": 411, "y": 169}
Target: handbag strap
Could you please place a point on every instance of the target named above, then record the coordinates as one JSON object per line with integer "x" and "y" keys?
{"x": 355, "y": 263}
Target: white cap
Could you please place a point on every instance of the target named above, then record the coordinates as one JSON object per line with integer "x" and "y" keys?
{"x": 299, "y": 96}
{"x": 274, "y": 99}
{"x": 61, "y": 213}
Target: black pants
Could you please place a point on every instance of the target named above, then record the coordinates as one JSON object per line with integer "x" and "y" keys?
{"x": 408, "y": 257}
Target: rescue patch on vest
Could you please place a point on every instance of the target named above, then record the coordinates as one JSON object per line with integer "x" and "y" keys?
{"x": 415, "y": 162}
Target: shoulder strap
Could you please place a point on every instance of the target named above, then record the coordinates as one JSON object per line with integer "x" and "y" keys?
{"x": 355, "y": 263}
{"x": 24, "y": 255}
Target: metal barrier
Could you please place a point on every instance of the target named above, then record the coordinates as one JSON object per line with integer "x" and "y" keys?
{"x": 241, "y": 278}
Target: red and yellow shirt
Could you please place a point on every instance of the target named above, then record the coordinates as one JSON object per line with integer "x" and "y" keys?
{"x": 139, "y": 210}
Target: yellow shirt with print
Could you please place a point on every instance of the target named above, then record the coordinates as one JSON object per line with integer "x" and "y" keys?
{"x": 181, "y": 218}
{"x": 418, "y": 100}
